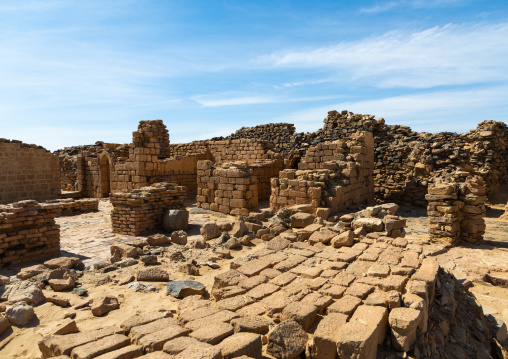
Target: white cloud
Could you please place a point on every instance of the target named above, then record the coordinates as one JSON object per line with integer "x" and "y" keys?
{"x": 439, "y": 56}
{"x": 415, "y": 4}
{"x": 233, "y": 99}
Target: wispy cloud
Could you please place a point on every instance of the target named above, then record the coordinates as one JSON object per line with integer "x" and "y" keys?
{"x": 233, "y": 99}
{"x": 415, "y": 4}
{"x": 438, "y": 56}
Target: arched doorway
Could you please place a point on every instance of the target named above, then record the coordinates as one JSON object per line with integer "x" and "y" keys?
{"x": 104, "y": 185}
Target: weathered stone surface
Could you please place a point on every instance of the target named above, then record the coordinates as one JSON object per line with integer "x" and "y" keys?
{"x": 344, "y": 239}
{"x": 141, "y": 331}
{"x": 125, "y": 250}
{"x": 19, "y": 313}
{"x": 287, "y": 340}
{"x": 104, "y": 305}
{"x": 153, "y": 274}
{"x": 68, "y": 262}
{"x": 357, "y": 341}
{"x": 214, "y": 333}
{"x": 175, "y": 220}
{"x": 155, "y": 341}
{"x": 158, "y": 240}
{"x": 252, "y": 324}
{"x": 210, "y": 230}
{"x": 302, "y": 313}
{"x": 59, "y": 285}
{"x": 370, "y": 224}
{"x": 63, "y": 327}
{"x": 179, "y": 237}
{"x": 301, "y": 220}
{"x": 278, "y": 243}
{"x": 4, "y": 324}
{"x": 178, "y": 345}
{"x": 140, "y": 319}
{"x": 99, "y": 347}
{"x": 373, "y": 316}
{"x": 128, "y": 352}
{"x": 403, "y": 325}
{"x": 23, "y": 292}
{"x": 239, "y": 229}
{"x": 326, "y": 336}
{"x": 185, "y": 288}
{"x": 200, "y": 353}
{"x": 55, "y": 345}
{"x": 29, "y": 272}
{"x": 239, "y": 344}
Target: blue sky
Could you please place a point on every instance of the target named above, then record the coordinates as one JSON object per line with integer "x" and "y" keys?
{"x": 75, "y": 72}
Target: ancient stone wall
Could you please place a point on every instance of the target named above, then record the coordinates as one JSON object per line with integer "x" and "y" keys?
{"x": 265, "y": 170}
{"x": 405, "y": 161}
{"x": 153, "y": 132}
{"x": 27, "y": 172}
{"x": 456, "y": 208}
{"x": 331, "y": 175}
{"x": 141, "y": 210}
{"x": 70, "y": 206}
{"x": 28, "y": 231}
{"x": 230, "y": 189}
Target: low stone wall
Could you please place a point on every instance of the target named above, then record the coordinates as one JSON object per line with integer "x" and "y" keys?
{"x": 28, "y": 231}
{"x": 141, "y": 210}
{"x": 332, "y": 175}
{"x": 231, "y": 189}
{"x": 265, "y": 170}
{"x": 27, "y": 172}
{"x": 72, "y": 206}
{"x": 456, "y": 208}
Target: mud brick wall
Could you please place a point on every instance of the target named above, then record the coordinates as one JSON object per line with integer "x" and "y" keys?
{"x": 456, "y": 208}
{"x": 27, "y": 172}
{"x": 332, "y": 175}
{"x": 141, "y": 210}
{"x": 229, "y": 189}
{"x": 72, "y": 206}
{"x": 28, "y": 231}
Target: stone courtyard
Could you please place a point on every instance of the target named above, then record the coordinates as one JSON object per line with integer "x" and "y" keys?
{"x": 266, "y": 244}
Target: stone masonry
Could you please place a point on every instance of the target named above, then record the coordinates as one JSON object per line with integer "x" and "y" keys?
{"x": 28, "y": 231}
{"x": 231, "y": 188}
{"x": 27, "y": 172}
{"x": 456, "y": 208}
{"x": 331, "y": 175}
{"x": 141, "y": 210}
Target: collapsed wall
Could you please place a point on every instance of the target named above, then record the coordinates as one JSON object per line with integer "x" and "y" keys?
{"x": 230, "y": 189}
{"x": 456, "y": 208}
{"x": 28, "y": 231}
{"x": 141, "y": 210}
{"x": 332, "y": 175}
{"x": 28, "y": 172}
{"x": 404, "y": 161}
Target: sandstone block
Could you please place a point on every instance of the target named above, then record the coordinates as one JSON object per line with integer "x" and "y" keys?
{"x": 214, "y": 333}
{"x": 104, "y": 305}
{"x": 287, "y": 340}
{"x": 403, "y": 325}
{"x": 239, "y": 344}
{"x": 344, "y": 239}
{"x": 302, "y": 313}
{"x": 357, "y": 341}
{"x": 99, "y": 347}
{"x": 175, "y": 220}
{"x": 326, "y": 336}
{"x": 210, "y": 230}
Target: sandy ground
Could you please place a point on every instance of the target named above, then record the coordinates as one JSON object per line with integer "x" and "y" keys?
{"x": 89, "y": 237}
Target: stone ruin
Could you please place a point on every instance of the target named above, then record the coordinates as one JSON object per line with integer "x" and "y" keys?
{"x": 335, "y": 274}
{"x": 456, "y": 208}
